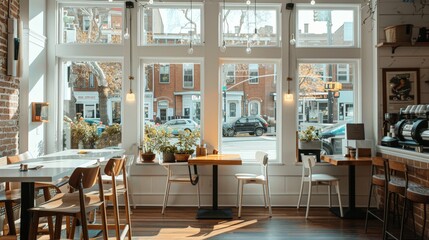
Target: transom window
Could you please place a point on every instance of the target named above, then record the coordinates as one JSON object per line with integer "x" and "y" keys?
{"x": 327, "y": 25}
{"x": 91, "y": 23}
{"x": 171, "y": 24}
{"x": 240, "y": 25}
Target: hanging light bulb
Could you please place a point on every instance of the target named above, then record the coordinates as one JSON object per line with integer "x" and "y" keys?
{"x": 313, "y": 2}
{"x": 126, "y": 34}
{"x": 223, "y": 47}
{"x": 292, "y": 40}
{"x": 248, "y": 2}
{"x": 190, "y": 49}
{"x": 150, "y": 1}
{"x": 248, "y": 49}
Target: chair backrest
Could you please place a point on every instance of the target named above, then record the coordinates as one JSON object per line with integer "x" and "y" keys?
{"x": 18, "y": 158}
{"x": 86, "y": 176}
{"x": 114, "y": 166}
{"x": 377, "y": 164}
{"x": 398, "y": 169}
{"x": 262, "y": 158}
{"x": 308, "y": 162}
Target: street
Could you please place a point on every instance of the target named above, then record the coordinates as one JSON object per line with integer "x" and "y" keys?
{"x": 247, "y": 145}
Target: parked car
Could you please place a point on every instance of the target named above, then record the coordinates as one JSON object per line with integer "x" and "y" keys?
{"x": 329, "y": 135}
{"x": 181, "y": 125}
{"x": 254, "y": 125}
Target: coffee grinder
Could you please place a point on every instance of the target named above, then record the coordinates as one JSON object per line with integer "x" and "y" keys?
{"x": 390, "y": 139}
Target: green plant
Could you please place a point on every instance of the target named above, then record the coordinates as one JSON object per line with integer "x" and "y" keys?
{"x": 164, "y": 134}
{"x": 150, "y": 142}
{"x": 187, "y": 140}
{"x": 311, "y": 133}
{"x": 111, "y": 136}
{"x": 82, "y": 131}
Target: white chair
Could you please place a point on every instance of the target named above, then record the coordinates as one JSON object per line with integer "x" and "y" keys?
{"x": 249, "y": 178}
{"x": 182, "y": 178}
{"x": 308, "y": 162}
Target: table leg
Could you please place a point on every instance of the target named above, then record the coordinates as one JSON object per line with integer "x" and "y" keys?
{"x": 215, "y": 212}
{"x": 351, "y": 212}
{"x": 27, "y": 202}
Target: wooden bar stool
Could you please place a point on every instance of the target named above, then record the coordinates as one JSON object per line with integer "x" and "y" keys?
{"x": 416, "y": 194}
{"x": 75, "y": 204}
{"x": 378, "y": 179}
{"x": 113, "y": 168}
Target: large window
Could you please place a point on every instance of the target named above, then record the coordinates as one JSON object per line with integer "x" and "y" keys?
{"x": 326, "y": 108}
{"x": 171, "y": 24}
{"x": 325, "y": 25}
{"x": 242, "y": 25}
{"x": 91, "y": 23}
{"x": 248, "y": 109}
{"x": 92, "y": 116}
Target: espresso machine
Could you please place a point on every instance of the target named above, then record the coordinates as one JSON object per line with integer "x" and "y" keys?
{"x": 412, "y": 130}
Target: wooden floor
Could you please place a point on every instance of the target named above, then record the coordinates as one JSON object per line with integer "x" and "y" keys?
{"x": 286, "y": 223}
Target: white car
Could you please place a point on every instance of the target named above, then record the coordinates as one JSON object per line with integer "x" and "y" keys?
{"x": 177, "y": 125}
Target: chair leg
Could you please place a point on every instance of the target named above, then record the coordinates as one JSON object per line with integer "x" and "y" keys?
{"x": 34, "y": 226}
{"x": 424, "y": 221}
{"x": 268, "y": 195}
{"x": 329, "y": 195}
{"x": 265, "y": 195}
{"x": 308, "y": 199}
{"x": 127, "y": 213}
{"x": 404, "y": 210}
{"x": 198, "y": 193}
{"x": 240, "y": 199}
{"x": 103, "y": 221}
{"x": 167, "y": 191}
{"x": 238, "y": 193}
{"x": 367, "y": 208}
{"x": 339, "y": 198}
{"x": 116, "y": 213}
{"x": 386, "y": 215}
{"x": 300, "y": 194}
{"x": 58, "y": 224}
{"x": 47, "y": 197}
{"x": 10, "y": 218}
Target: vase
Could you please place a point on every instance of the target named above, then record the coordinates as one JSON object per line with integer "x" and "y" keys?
{"x": 168, "y": 157}
{"x": 309, "y": 145}
{"x": 181, "y": 157}
{"x": 148, "y": 157}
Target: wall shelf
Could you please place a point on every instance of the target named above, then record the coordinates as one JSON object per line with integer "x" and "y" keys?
{"x": 395, "y": 45}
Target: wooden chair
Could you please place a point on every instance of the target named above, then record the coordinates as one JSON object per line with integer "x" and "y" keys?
{"x": 113, "y": 169}
{"x": 9, "y": 197}
{"x": 378, "y": 179}
{"x": 75, "y": 204}
{"x": 308, "y": 162}
{"x": 250, "y": 178}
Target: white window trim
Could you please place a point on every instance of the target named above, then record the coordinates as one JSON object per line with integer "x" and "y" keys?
{"x": 259, "y": 107}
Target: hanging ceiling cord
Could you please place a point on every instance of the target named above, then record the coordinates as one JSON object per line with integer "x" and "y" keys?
{"x": 8, "y": 9}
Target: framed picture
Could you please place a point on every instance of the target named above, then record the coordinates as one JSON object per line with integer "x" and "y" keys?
{"x": 400, "y": 88}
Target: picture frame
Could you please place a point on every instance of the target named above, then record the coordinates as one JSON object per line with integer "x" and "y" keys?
{"x": 401, "y": 87}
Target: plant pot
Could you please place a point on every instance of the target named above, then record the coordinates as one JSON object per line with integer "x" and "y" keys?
{"x": 181, "y": 157}
{"x": 309, "y": 145}
{"x": 148, "y": 157}
{"x": 168, "y": 157}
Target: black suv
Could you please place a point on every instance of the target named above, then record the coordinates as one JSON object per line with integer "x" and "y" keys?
{"x": 252, "y": 124}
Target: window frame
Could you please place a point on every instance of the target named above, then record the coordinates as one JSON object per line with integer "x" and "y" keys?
{"x": 253, "y": 80}
{"x": 163, "y": 66}
{"x": 184, "y": 65}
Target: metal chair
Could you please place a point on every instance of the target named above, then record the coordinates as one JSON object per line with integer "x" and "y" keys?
{"x": 308, "y": 162}
{"x": 250, "y": 178}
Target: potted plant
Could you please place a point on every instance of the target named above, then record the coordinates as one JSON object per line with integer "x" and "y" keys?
{"x": 164, "y": 135}
{"x": 149, "y": 144}
{"x": 309, "y": 138}
{"x": 186, "y": 141}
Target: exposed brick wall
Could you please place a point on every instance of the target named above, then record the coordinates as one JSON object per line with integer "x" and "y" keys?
{"x": 9, "y": 88}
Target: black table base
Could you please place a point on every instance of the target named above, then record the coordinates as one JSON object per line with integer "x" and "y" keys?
{"x": 350, "y": 213}
{"x": 224, "y": 213}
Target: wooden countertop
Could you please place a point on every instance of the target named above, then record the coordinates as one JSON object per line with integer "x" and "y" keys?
{"x": 216, "y": 159}
{"x": 340, "y": 160}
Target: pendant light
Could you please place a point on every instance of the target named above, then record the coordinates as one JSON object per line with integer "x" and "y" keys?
{"x": 190, "y": 49}
{"x": 131, "y": 97}
{"x": 223, "y": 47}
{"x": 289, "y": 96}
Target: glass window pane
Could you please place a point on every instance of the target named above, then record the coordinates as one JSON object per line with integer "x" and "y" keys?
{"x": 241, "y": 22}
{"x": 188, "y": 75}
{"x": 327, "y": 110}
{"x": 164, "y": 73}
{"x": 326, "y": 26}
{"x": 249, "y": 110}
{"x": 87, "y": 24}
{"x": 92, "y": 115}
{"x": 171, "y": 24}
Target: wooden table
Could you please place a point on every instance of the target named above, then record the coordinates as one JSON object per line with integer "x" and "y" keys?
{"x": 55, "y": 167}
{"x": 215, "y": 160}
{"x": 338, "y": 160}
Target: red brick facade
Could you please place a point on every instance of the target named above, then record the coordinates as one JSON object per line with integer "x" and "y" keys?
{"x": 9, "y": 88}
